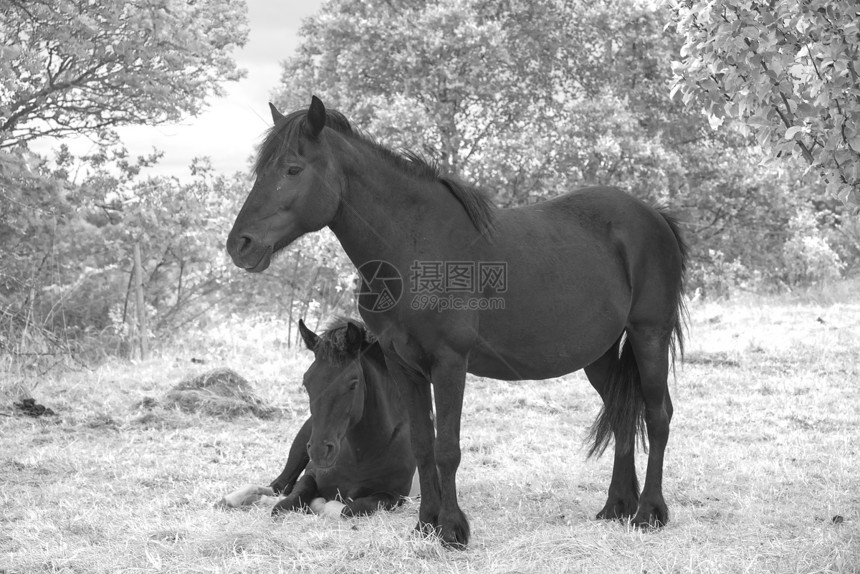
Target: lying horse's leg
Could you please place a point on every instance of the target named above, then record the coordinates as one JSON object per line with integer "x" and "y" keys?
{"x": 623, "y": 497}
{"x": 651, "y": 348}
{"x": 297, "y": 460}
{"x": 366, "y": 505}
{"x": 300, "y": 497}
{"x": 416, "y": 393}
{"x": 363, "y": 506}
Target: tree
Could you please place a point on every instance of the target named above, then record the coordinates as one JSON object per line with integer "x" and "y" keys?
{"x": 72, "y": 68}
{"x": 453, "y": 81}
{"x": 84, "y": 68}
{"x": 789, "y": 70}
{"x": 487, "y": 88}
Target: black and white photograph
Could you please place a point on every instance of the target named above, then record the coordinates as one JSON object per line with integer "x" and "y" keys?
{"x": 430, "y": 286}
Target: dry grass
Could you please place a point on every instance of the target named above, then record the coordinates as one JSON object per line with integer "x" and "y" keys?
{"x": 764, "y": 454}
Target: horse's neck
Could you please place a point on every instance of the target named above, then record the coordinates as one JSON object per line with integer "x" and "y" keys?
{"x": 378, "y": 423}
{"x": 378, "y": 217}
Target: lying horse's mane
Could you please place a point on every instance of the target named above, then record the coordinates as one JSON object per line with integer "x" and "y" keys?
{"x": 331, "y": 344}
{"x": 287, "y": 131}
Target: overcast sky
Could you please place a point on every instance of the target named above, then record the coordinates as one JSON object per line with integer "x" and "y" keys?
{"x": 232, "y": 125}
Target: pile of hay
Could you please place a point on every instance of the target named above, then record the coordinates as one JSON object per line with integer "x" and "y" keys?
{"x": 221, "y": 393}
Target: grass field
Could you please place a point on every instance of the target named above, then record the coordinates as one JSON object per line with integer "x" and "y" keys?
{"x": 762, "y": 470}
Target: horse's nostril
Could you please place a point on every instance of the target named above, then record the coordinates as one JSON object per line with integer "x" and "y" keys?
{"x": 244, "y": 243}
{"x": 323, "y": 452}
{"x": 239, "y": 244}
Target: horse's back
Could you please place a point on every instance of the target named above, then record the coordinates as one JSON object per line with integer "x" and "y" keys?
{"x": 647, "y": 239}
{"x": 635, "y": 236}
{"x": 590, "y": 208}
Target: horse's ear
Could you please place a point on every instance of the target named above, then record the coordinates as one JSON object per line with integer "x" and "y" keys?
{"x": 310, "y": 338}
{"x": 316, "y": 116}
{"x": 276, "y": 115}
{"x": 353, "y": 338}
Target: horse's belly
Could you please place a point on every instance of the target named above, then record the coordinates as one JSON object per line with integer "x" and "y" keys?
{"x": 520, "y": 364}
{"x": 541, "y": 341}
{"x": 564, "y": 304}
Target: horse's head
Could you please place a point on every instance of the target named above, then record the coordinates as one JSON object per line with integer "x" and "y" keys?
{"x": 297, "y": 188}
{"x": 336, "y": 387}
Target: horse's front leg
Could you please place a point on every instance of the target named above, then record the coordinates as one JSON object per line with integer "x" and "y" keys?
{"x": 300, "y": 498}
{"x": 449, "y": 381}
{"x": 416, "y": 393}
{"x": 297, "y": 460}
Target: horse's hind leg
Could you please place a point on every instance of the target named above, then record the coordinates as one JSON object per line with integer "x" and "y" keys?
{"x": 623, "y": 496}
{"x": 651, "y": 349}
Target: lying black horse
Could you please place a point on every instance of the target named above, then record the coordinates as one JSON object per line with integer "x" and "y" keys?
{"x": 354, "y": 449}
{"x": 592, "y": 279}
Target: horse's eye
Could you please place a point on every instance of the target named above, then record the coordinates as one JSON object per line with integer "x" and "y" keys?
{"x": 294, "y": 170}
{"x": 353, "y": 385}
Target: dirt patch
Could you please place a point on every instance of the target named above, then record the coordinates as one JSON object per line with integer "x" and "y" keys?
{"x": 221, "y": 393}
{"x": 31, "y": 408}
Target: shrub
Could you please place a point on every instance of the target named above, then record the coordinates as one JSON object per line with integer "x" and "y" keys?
{"x": 807, "y": 256}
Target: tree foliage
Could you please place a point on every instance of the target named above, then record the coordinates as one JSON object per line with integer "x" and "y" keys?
{"x": 67, "y": 225}
{"x": 493, "y": 92}
{"x": 72, "y": 68}
{"x": 789, "y": 70}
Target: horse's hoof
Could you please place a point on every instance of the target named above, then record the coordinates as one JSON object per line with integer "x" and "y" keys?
{"x": 454, "y": 530}
{"x": 425, "y": 529}
{"x": 317, "y": 505}
{"x": 457, "y": 541}
{"x": 619, "y": 510}
{"x": 278, "y": 489}
{"x": 654, "y": 518}
{"x": 333, "y": 509}
{"x": 281, "y": 509}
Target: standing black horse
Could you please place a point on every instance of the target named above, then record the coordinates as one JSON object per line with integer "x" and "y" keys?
{"x": 354, "y": 451}
{"x": 592, "y": 279}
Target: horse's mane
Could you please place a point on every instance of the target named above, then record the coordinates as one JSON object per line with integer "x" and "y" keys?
{"x": 331, "y": 344}
{"x": 281, "y": 137}
{"x": 331, "y": 347}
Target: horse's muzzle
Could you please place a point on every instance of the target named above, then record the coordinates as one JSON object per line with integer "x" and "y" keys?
{"x": 248, "y": 254}
{"x": 323, "y": 454}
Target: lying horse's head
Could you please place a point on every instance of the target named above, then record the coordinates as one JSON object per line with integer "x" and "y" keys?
{"x": 336, "y": 386}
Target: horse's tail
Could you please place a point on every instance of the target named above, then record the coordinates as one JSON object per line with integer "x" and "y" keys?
{"x": 676, "y": 345}
{"x": 623, "y": 412}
